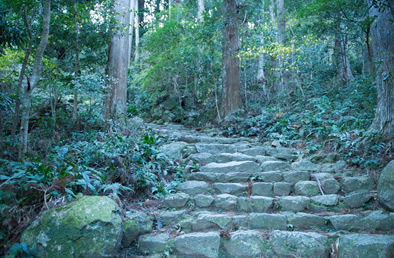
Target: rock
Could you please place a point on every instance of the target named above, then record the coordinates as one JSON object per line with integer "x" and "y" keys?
{"x": 357, "y": 199}
{"x": 386, "y": 186}
{"x": 306, "y": 221}
{"x": 203, "y": 157}
{"x": 377, "y": 220}
{"x": 215, "y": 148}
{"x": 210, "y": 222}
{"x": 233, "y": 166}
{"x": 306, "y": 188}
{"x": 174, "y": 149}
{"x": 255, "y": 151}
{"x": 188, "y": 150}
{"x": 275, "y": 166}
{"x": 299, "y": 244}
{"x": 231, "y": 188}
{"x": 171, "y": 218}
{"x": 339, "y": 166}
{"x": 136, "y": 223}
{"x": 262, "y": 159}
{"x": 235, "y": 176}
{"x": 327, "y": 200}
{"x": 263, "y": 189}
{"x": 351, "y": 184}
{"x": 203, "y": 176}
{"x": 203, "y": 201}
{"x": 321, "y": 176}
{"x": 226, "y": 202}
{"x": 245, "y": 244}
{"x": 177, "y": 200}
{"x": 153, "y": 243}
{"x": 366, "y": 246}
{"x": 330, "y": 186}
{"x": 198, "y": 244}
{"x": 272, "y": 176}
{"x": 261, "y": 204}
{"x": 305, "y": 165}
{"x": 268, "y": 221}
{"x": 240, "y": 222}
{"x": 194, "y": 187}
{"x": 294, "y": 203}
{"x": 282, "y": 189}
{"x": 228, "y": 157}
{"x": 296, "y": 176}
{"x": 92, "y": 221}
{"x": 346, "y": 222}
{"x": 277, "y": 152}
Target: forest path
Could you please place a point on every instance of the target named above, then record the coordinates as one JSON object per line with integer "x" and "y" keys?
{"x": 253, "y": 199}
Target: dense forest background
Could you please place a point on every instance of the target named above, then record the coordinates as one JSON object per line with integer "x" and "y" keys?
{"x": 76, "y": 76}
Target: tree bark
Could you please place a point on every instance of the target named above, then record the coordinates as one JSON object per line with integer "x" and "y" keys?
{"x": 21, "y": 75}
{"x": 281, "y": 38}
{"x": 131, "y": 28}
{"x": 341, "y": 56}
{"x": 382, "y": 38}
{"x": 33, "y": 81}
{"x": 118, "y": 63}
{"x": 231, "y": 93}
{"x": 76, "y": 64}
{"x": 137, "y": 32}
{"x": 201, "y": 9}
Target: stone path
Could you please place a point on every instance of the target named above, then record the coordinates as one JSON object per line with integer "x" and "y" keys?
{"x": 253, "y": 200}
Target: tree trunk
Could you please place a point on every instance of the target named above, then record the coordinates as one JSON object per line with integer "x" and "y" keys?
{"x": 281, "y": 38}
{"x": 21, "y": 75}
{"x": 131, "y": 28}
{"x": 118, "y": 63}
{"x": 341, "y": 56}
{"x": 33, "y": 80}
{"x": 201, "y": 9}
{"x": 137, "y": 33}
{"x": 382, "y": 38}
{"x": 76, "y": 64}
{"x": 231, "y": 95}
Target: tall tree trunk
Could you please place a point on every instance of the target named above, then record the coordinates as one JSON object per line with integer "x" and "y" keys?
{"x": 281, "y": 38}
{"x": 201, "y": 9}
{"x": 76, "y": 64}
{"x": 341, "y": 56}
{"x": 16, "y": 119}
{"x": 231, "y": 93}
{"x": 118, "y": 63}
{"x": 33, "y": 81}
{"x": 131, "y": 28}
{"x": 382, "y": 34}
{"x": 137, "y": 33}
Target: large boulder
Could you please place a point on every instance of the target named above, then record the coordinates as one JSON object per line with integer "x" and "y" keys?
{"x": 88, "y": 227}
{"x": 368, "y": 246}
{"x": 386, "y": 186}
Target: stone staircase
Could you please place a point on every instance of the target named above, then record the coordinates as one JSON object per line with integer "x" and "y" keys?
{"x": 253, "y": 200}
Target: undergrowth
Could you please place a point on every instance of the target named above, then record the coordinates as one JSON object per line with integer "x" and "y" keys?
{"x": 126, "y": 165}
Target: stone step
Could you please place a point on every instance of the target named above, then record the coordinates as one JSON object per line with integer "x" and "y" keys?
{"x": 233, "y": 166}
{"x": 216, "y": 148}
{"x": 324, "y": 222}
{"x": 250, "y": 198}
{"x": 259, "y": 243}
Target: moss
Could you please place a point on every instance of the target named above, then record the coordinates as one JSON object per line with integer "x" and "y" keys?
{"x": 89, "y": 226}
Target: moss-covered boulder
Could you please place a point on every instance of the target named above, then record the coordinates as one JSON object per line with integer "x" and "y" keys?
{"x": 88, "y": 227}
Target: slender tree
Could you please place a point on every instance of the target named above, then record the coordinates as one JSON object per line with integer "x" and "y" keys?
{"x": 118, "y": 63}
{"x": 201, "y": 9}
{"x": 231, "y": 93}
{"x": 33, "y": 81}
{"x": 382, "y": 34}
